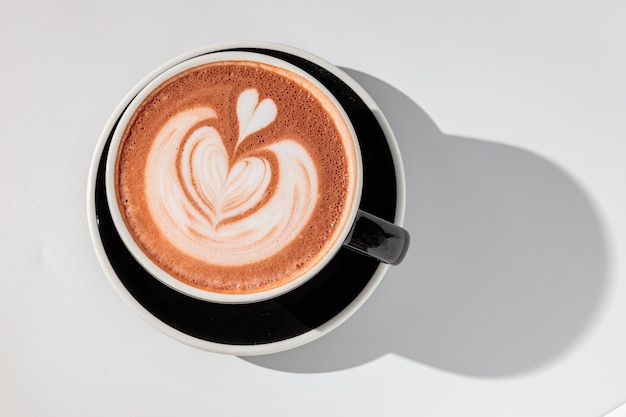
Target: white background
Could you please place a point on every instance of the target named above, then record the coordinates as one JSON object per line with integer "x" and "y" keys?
{"x": 512, "y": 302}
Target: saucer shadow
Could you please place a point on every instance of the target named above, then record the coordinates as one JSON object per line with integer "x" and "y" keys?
{"x": 506, "y": 269}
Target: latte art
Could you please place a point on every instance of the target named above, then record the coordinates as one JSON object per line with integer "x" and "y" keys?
{"x": 236, "y": 177}
{"x": 227, "y": 210}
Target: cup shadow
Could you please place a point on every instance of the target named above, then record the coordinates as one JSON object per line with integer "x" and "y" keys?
{"x": 507, "y": 265}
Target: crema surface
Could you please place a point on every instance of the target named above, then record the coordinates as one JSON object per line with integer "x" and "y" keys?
{"x": 236, "y": 176}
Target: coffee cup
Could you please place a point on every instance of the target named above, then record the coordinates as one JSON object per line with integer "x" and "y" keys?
{"x": 234, "y": 176}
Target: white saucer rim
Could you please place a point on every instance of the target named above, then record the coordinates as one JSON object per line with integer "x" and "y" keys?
{"x": 257, "y": 349}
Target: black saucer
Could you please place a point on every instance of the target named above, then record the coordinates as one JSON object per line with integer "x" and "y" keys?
{"x": 297, "y": 312}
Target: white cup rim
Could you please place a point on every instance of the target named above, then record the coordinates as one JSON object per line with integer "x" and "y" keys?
{"x": 134, "y": 248}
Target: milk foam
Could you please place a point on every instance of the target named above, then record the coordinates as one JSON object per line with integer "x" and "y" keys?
{"x": 223, "y": 209}
{"x": 236, "y": 177}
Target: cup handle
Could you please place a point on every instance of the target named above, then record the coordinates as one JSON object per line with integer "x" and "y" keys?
{"x": 378, "y": 238}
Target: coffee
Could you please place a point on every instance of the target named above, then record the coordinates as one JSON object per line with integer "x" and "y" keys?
{"x": 236, "y": 176}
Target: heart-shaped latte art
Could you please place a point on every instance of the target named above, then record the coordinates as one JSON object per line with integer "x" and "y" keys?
{"x": 223, "y": 191}
{"x": 223, "y": 210}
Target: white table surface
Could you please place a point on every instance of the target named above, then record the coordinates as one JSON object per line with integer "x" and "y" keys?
{"x": 511, "y": 118}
